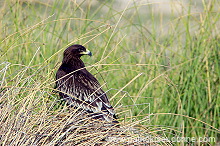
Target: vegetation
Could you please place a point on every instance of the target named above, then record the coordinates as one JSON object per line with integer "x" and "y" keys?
{"x": 160, "y": 71}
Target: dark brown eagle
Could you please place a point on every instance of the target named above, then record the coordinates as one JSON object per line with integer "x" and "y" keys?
{"x": 79, "y": 88}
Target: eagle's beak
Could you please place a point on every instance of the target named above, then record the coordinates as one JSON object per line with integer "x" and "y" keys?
{"x": 87, "y": 52}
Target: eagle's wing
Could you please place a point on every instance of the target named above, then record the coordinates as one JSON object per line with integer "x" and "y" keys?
{"x": 81, "y": 89}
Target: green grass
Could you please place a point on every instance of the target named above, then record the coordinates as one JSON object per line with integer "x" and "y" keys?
{"x": 168, "y": 61}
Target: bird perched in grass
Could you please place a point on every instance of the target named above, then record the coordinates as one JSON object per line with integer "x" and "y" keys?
{"x": 80, "y": 89}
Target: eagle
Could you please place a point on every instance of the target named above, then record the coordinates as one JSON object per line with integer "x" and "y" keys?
{"x": 80, "y": 89}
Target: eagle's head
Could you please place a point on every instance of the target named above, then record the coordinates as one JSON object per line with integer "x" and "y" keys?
{"x": 76, "y": 51}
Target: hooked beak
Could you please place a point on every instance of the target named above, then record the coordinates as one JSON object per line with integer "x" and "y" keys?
{"x": 87, "y": 52}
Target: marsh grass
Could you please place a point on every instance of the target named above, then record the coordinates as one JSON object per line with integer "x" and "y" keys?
{"x": 161, "y": 72}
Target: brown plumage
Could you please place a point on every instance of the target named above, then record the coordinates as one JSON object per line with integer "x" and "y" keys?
{"x": 81, "y": 89}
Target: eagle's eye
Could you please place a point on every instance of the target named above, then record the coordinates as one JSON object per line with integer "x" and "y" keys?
{"x": 80, "y": 50}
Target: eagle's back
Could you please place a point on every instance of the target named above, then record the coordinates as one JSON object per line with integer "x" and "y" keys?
{"x": 82, "y": 90}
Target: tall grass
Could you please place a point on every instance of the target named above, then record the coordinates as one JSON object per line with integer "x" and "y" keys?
{"x": 161, "y": 71}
